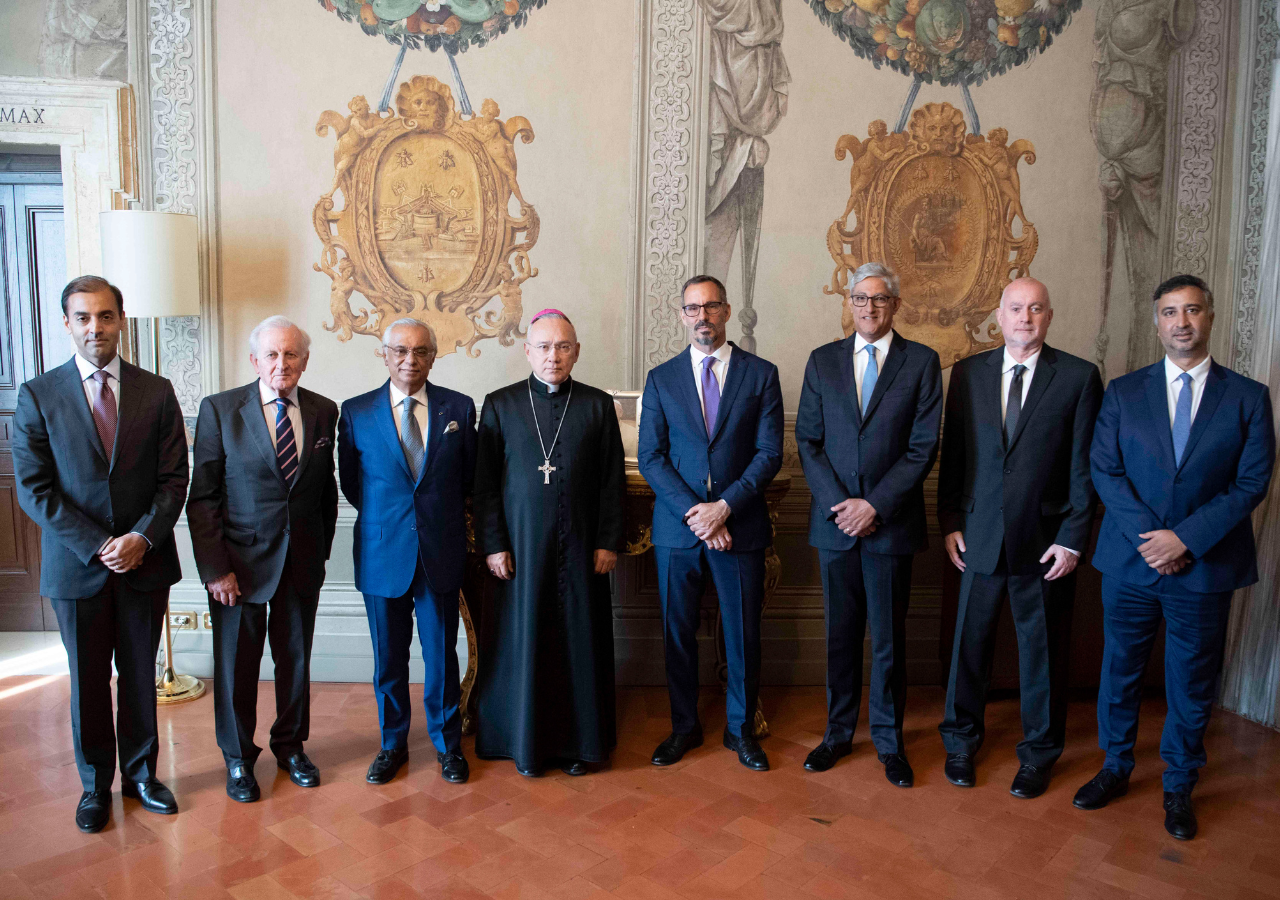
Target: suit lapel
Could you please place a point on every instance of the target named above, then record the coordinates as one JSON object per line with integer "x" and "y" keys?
{"x": 687, "y": 388}
{"x": 255, "y": 424}
{"x": 435, "y": 425}
{"x": 130, "y": 406}
{"x": 848, "y": 385}
{"x": 893, "y": 362}
{"x": 1158, "y": 403}
{"x": 986, "y": 389}
{"x": 1045, "y": 370}
{"x": 73, "y": 386}
{"x": 309, "y": 417}
{"x": 386, "y": 423}
{"x": 737, "y": 372}
{"x": 1215, "y": 386}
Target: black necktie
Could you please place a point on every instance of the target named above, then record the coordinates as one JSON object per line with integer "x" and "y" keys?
{"x": 1014, "y": 407}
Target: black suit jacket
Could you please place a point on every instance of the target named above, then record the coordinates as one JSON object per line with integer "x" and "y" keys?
{"x": 243, "y": 517}
{"x": 1037, "y": 491}
{"x": 79, "y": 498}
{"x": 883, "y": 458}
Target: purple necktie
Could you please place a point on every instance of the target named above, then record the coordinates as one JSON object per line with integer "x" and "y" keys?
{"x": 710, "y": 393}
{"x": 104, "y": 412}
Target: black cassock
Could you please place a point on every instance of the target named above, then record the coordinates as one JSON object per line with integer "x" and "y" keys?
{"x": 545, "y": 688}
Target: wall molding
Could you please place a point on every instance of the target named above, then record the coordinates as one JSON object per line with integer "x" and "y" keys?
{"x": 668, "y": 173}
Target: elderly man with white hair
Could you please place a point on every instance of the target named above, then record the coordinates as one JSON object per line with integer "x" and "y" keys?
{"x": 262, "y": 511}
{"x": 406, "y": 457}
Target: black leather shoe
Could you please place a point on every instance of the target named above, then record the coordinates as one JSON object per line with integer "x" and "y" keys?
{"x": 152, "y": 795}
{"x": 242, "y": 787}
{"x": 959, "y": 769}
{"x": 574, "y": 767}
{"x": 1179, "y": 817}
{"x": 453, "y": 767}
{"x": 302, "y": 771}
{"x": 824, "y": 756}
{"x": 1030, "y": 782}
{"x": 673, "y": 749}
{"x": 1101, "y": 790}
{"x": 94, "y": 811}
{"x": 898, "y": 770}
{"x": 386, "y": 764}
{"x": 749, "y": 752}
{"x": 529, "y": 771}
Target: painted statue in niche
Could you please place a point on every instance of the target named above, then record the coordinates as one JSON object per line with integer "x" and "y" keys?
{"x": 84, "y": 39}
{"x": 426, "y": 229}
{"x": 944, "y": 209}
{"x": 1133, "y": 41}
{"x": 749, "y": 79}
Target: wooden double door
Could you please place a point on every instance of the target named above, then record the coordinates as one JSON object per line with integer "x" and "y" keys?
{"x": 32, "y": 338}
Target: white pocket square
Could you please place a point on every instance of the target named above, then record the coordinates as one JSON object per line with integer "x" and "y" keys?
{"x": 450, "y": 428}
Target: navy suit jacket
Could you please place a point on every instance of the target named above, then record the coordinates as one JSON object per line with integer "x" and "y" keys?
{"x": 741, "y": 456}
{"x": 882, "y": 458}
{"x": 1206, "y": 501}
{"x": 401, "y": 520}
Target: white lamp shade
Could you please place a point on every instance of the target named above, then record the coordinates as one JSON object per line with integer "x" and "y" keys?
{"x": 152, "y": 257}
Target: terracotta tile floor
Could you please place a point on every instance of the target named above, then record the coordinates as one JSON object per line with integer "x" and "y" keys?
{"x": 706, "y": 828}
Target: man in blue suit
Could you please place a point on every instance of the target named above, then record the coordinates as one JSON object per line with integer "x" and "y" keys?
{"x": 406, "y": 458}
{"x": 1182, "y": 453}
{"x": 710, "y": 443}
{"x": 867, "y": 431}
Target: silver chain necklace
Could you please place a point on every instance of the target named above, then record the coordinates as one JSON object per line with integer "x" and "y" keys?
{"x": 546, "y": 468}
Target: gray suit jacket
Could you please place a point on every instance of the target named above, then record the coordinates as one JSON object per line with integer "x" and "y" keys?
{"x": 244, "y": 518}
{"x": 79, "y": 498}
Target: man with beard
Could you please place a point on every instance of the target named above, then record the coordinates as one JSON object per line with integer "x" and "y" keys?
{"x": 710, "y": 443}
{"x": 1182, "y": 454}
{"x": 549, "y": 495}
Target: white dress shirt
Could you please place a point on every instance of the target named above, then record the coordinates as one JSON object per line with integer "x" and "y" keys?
{"x": 1006, "y": 379}
{"x": 860, "y": 359}
{"x": 91, "y": 387}
{"x": 1173, "y": 387}
{"x": 419, "y": 411}
{"x": 269, "y": 397}
{"x": 719, "y": 369}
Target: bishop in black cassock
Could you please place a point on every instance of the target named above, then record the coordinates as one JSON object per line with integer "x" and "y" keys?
{"x": 549, "y": 495}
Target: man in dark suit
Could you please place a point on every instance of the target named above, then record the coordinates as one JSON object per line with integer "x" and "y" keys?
{"x": 1182, "y": 453}
{"x": 1016, "y": 506}
{"x": 262, "y": 512}
{"x": 406, "y": 460}
{"x": 100, "y": 455}
{"x": 710, "y": 443}
{"x": 867, "y": 431}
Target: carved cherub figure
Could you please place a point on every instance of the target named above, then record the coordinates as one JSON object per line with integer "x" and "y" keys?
{"x": 344, "y": 283}
{"x": 498, "y": 139}
{"x": 353, "y": 132}
{"x": 1003, "y": 160}
{"x": 867, "y": 158}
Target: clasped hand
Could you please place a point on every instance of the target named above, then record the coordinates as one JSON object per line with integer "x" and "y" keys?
{"x": 707, "y": 520}
{"x": 855, "y": 517}
{"x": 124, "y": 553}
{"x": 1164, "y": 551}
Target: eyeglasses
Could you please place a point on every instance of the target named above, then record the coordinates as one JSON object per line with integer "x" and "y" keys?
{"x": 560, "y": 347}
{"x": 879, "y": 301}
{"x": 715, "y": 307}
{"x": 419, "y": 353}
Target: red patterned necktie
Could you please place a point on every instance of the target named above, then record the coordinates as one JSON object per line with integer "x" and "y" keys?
{"x": 104, "y": 412}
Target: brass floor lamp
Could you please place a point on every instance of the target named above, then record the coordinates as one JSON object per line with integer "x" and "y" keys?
{"x": 153, "y": 257}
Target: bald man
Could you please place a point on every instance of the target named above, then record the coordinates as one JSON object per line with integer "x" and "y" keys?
{"x": 1016, "y": 505}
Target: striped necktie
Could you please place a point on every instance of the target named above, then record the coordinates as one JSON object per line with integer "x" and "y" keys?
{"x": 104, "y": 412}
{"x": 286, "y": 442}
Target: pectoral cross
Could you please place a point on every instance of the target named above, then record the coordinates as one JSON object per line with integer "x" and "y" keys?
{"x": 546, "y": 469}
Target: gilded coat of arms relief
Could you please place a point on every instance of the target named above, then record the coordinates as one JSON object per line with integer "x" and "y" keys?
{"x": 944, "y": 210}
{"x": 426, "y": 229}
